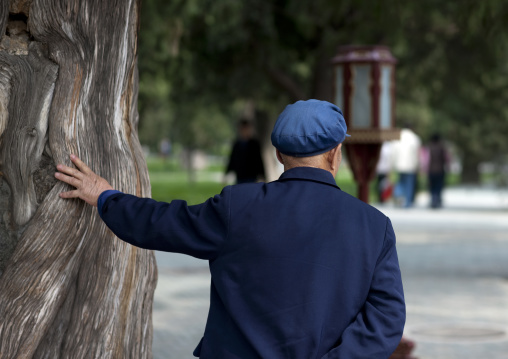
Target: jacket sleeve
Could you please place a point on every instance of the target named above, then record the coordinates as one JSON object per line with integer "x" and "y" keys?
{"x": 377, "y": 329}
{"x": 199, "y": 230}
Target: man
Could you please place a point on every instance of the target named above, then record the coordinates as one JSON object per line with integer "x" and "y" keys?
{"x": 299, "y": 268}
{"x": 245, "y": 159}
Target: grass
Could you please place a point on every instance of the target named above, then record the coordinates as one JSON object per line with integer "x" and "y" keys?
{"x": 170, "y": 182}
{"x": 168, "y": 188}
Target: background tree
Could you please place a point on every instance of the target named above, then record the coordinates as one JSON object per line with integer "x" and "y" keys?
{"x": 455, "y": 69}
{"x": 452, "y": 60}
{"x": 68, "y": 84}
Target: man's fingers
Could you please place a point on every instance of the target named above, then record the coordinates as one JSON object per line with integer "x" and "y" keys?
{"x": 70, "y": 171}
{"x": 68, "y": 179}
{"x": 80, "y": 164}
{"x": 69, "y": 194}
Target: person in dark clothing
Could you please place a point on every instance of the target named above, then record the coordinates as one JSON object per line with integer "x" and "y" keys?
{"x": 245, "y": 160}
{"x": 438, "y": 159}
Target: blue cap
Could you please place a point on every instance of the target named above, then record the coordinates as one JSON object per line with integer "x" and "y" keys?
{"x": 309, "y": 128}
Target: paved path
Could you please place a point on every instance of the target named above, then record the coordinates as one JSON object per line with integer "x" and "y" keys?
{"x": 454, "y": 264}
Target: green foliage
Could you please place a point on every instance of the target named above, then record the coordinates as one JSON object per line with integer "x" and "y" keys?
{"x": 452, "y": 75}
{"x": 169, "y": 182}
{"x": 200, "y": 60}
{"x": 171, "y": 101}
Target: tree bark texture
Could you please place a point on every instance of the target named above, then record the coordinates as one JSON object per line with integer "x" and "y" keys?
{"x": 68, "y": 84}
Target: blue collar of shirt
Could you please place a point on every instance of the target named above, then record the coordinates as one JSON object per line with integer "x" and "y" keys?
{"x": 309, "y": 174}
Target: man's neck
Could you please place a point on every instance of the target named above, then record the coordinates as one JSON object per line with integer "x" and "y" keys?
{"x": 286, "y": 168}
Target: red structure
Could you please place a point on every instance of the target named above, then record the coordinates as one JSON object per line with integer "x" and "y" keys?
{"x": 364, "y": 88}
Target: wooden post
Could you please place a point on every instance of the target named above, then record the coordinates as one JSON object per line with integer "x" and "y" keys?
{"x": 362, "y": 161}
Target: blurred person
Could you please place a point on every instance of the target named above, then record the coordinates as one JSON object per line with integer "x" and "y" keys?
{"x": 299, "y": 269}
{"x": 245, "y": 159}
{"x": 165, "y": 149}
{"x": 383, "y": 169}
{"x": 438, "y": 161}
{"x": 406, "y": 162}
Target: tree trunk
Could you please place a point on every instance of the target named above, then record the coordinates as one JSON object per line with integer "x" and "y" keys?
{"x": 265, "y": 123}
{"x": 470, "y": 173}
{"x": 68, "y": 84}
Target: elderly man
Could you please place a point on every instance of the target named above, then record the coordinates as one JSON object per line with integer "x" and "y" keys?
{"x": 299, "y": 268}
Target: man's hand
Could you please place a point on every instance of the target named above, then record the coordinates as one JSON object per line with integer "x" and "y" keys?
{"x": 88, "y": 185}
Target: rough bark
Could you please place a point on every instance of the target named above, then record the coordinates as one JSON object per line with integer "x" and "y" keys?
{"x": 68, "y": 84}
{"x": 4, "y": 13}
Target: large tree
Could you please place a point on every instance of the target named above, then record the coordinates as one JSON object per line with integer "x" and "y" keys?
{"x": 68, "y": 84}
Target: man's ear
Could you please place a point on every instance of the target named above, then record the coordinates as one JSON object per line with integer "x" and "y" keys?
{"x": 333, "y": 157}
{"x": 279, "y": 157}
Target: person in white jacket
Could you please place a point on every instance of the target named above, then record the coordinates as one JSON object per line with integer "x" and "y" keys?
{"x": 406, "y": 163}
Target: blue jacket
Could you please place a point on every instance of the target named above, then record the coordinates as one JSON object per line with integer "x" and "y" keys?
{"x": 299, "y": 268}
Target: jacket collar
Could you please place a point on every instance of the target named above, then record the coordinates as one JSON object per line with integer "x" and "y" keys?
{"x": 309, "y": 174}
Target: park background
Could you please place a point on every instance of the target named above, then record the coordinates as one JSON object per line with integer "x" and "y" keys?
{"x": 204, "y": 65}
